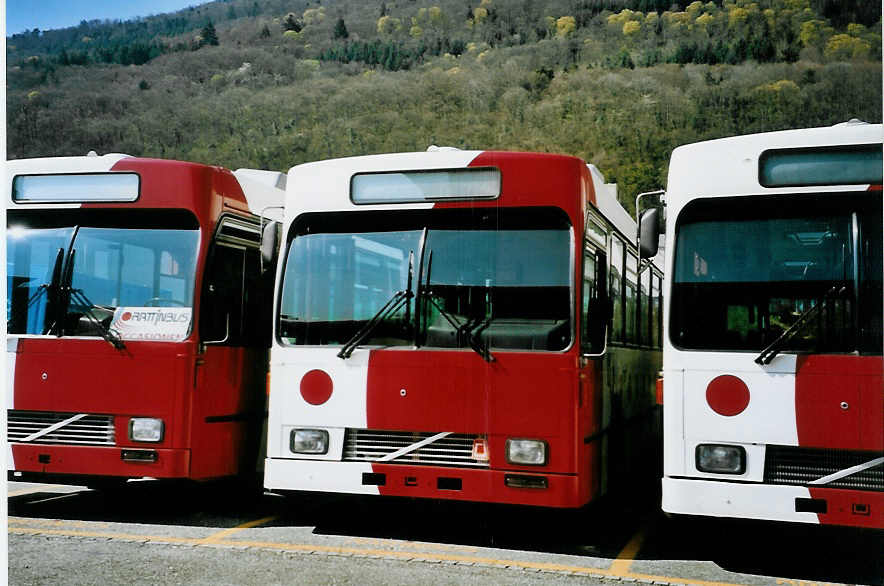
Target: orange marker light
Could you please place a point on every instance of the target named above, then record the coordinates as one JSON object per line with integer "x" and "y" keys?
{"x": 480, "y": 449}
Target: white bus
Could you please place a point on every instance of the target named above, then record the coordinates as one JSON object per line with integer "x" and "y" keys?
{"x": 773, "y": 403}
{"x": 467, "y": 325}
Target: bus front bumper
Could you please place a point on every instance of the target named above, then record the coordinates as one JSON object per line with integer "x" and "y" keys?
{"x": 51, "y": 460}
{"x": 773, "y": 502}
{"x": 477, "y": 485}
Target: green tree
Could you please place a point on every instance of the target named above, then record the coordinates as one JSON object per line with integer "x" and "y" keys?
{"x": 844, "y": 47}
{"x": 341, "y": 30}
{"x": 209, "y": 35}
{"x": 291, "y": 22}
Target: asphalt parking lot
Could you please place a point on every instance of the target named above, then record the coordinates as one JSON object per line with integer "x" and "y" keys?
{"x": 150, "y": 533}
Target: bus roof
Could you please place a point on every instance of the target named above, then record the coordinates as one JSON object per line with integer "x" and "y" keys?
{"x": 325, "y": 185}
{"x": 50, "y": 165}
{"x": 608, "y": 204}
{"x": 527, "y": 179}
{"x": 730, "y": 166}
{"x": 259, "y": 189}
{"x": 264, "y": 191}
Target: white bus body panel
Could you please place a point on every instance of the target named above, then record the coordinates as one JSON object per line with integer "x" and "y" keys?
{"x": 771, "y": 411}
{"x": 731, "y": 499}
{"x": 346, "y": 407}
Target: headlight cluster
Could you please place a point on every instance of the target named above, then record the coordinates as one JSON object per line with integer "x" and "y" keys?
{"x": 721, "y": 459}
{"x": 530, "y": 452}
{"x": 309, "y": 441}
{"x": 146, "y": 429}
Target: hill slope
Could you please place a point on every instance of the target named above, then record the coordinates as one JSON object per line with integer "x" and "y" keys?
{"x": 612, "y": 81}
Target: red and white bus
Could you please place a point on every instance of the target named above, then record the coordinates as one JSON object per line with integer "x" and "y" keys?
{"x": 443, "y": 330}
{"x": 774, "y": 380}
{"x": 138, "y": 318}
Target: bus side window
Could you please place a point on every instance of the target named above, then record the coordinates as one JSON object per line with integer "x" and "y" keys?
{"x": 596, "y": 304}
{"x": 870, "y": 335}
{"x": 616, "y": 289}
{"x": 654, "y": 311}
{"x": 631, "y": 284}
{"x": 221, "y": 315}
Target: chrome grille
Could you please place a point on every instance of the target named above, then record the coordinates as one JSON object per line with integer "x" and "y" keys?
{"x": 795, "y": 465}
{"x": 92, "y": 430}
{"x": 370, "y": 445}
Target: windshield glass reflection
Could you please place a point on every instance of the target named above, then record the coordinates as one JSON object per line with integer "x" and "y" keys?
{"x": 471, "y": 287}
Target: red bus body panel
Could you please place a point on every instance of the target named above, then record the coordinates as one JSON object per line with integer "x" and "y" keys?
{"x": 461, "y": 393}
{"x": 839, "y": 402}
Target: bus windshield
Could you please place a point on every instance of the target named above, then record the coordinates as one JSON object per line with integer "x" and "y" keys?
{"x": 113, "y": 268}
{"x": 747, "y": 270}
{"x": 501, "y": 278}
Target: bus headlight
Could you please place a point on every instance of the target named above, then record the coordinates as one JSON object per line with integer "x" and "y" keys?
{"x": 309, "y": 441}
{"x": 526, "y": 451}
{"x": 146, "y": 429}
{"x": 721, "y": 459}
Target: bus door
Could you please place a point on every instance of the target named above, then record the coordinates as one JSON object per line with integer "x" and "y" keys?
{"x": 230, "y": 370}
{"x": 595, "y": 325}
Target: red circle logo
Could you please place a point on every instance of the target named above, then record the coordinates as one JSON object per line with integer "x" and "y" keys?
{"x": 727, "y": 395}
{"x": 127, "y": 315}
{"x": 316, "y": 387}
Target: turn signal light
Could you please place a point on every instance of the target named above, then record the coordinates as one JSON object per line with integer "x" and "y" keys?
{"x": 480, "y": 449}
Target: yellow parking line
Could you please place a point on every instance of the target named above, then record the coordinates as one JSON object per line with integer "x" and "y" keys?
{"x": 222, "y": 534}
{"x": 413, "y": 544}
{"x": 370, "y": 552}
{"x": 24, "y": 522}
{"x": 621, "y": 565}
{"x": 105, "y": 534}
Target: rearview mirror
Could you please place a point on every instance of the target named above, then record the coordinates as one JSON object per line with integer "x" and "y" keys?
{"x": 269, "y": 243}
{"x": 649, "y": 233}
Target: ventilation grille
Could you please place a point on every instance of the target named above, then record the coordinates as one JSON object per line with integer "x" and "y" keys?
{"x": 236, "y": 230}
{"x": 791, "y": 465}
{"x": 369, "y": 445}
{"x": 91, "y": 430}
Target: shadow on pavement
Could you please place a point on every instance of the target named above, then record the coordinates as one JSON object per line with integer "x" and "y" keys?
{"x": 794, "y": 551}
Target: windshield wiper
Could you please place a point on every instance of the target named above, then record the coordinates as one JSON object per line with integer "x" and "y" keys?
{"x": 110, "y": 335}
{"x": 45, "y": 289}
{"x": 465, "y": 331}
{"x": 774, "y": 347}
{"x": 418, "y": 297}
{"x": 395, "y": 302}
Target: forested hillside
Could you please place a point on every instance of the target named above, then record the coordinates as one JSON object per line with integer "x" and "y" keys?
{"x": 272, "y": 83}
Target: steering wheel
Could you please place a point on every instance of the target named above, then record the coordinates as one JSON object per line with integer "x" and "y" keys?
{"x": 163, "y": 302}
